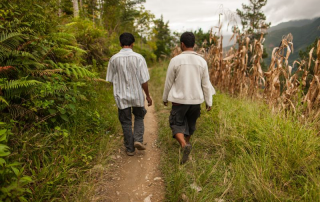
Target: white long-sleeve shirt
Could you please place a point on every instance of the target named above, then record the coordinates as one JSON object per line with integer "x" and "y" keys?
{"x": 187, "y": 80}
{"x": 127, "y": 71}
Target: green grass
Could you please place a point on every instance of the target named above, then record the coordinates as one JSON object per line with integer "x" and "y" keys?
{"x": 241, "y": 152}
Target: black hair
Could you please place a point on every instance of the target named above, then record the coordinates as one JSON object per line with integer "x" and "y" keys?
{"x": 188, "y": 39}
{"x": 126, "y": 39}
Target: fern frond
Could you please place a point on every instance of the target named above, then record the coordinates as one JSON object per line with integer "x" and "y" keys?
{"x": 77, "y": 49}
{"x": 6, "y": 68}
{"x": 10, "y": 40}
{"x": 62, "y": 36}
{"x": 46, "y": 72}
{"x": 62, "y": 52}
{"x": 2, "y": 100}
{"x": 15, "y": 88}
{"x": 20, "y": 83}
{"x": 17, "y": 111}
{"x": 74, "y": 72}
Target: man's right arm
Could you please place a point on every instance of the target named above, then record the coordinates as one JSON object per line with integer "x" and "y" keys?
{"x": 110, "y": 73}
{"x": 169, "y": 82}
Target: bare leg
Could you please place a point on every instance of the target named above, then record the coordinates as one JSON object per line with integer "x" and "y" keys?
{"x": 188, "y": 139}
{"x": 181, "y": 140}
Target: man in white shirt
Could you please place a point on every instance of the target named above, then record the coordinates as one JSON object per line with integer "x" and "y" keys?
{"x": 187, "y": 86}
{"x": 129, "y": 74}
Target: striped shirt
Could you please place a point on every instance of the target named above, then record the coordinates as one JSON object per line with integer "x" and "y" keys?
{"x": 127, "y": 70}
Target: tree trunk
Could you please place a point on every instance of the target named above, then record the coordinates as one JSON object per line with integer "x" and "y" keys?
{"x": 75, "y": 8}
{"x": 59, "y": 10}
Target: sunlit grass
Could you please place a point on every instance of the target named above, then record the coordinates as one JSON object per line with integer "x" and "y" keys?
{"x": 241, "y": 152}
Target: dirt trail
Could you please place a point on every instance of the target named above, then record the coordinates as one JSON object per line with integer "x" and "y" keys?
{"x": 138, "y": 178}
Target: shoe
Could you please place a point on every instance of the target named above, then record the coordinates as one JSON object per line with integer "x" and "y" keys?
{"x": 130, "y": 153}
{"x": 139, "y": 146}
{"x": 185, "y": 153}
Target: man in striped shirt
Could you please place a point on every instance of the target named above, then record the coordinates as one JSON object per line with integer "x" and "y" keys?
{"x": 129, "y": 74}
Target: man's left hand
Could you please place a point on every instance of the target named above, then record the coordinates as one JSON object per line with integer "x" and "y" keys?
{"x": 208, "y": 108}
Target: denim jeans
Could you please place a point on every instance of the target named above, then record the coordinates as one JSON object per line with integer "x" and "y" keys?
{"x": 125, "y": 118}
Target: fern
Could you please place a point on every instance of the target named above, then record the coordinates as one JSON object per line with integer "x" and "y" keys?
{"x": 15, "y": 88}
{"x": 21, "y": 83}
{"x": 75, "y": 71}
{"x": 2, "y": 100}
{"x": 17, "y": 111}
{"x": 77, "y": 49}
{"x": 10, "y": 41}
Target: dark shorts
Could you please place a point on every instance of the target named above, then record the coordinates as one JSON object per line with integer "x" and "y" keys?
{"x": 183, "y": 119}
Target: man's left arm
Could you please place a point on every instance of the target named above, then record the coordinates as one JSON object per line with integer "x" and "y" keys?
{"x": 207, "y": 88}
{"x": 146, "y": 90}
{"x": 144, "y": 78}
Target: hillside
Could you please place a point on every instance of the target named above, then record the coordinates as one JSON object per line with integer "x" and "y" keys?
{"x": 302, "y": 37}
{"x": 293, "y": 23}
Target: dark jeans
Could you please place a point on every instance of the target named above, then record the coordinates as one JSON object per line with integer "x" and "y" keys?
{"x": 125, "y": 118}
{"x": 183, "y": 119}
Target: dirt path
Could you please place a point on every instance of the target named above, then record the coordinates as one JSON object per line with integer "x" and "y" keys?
{"x": 138, "y": 178}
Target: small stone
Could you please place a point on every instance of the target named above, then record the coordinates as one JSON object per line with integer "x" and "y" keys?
{"x": 148, "y": 199}
{"x": 118, "y": 193}
{"x": 113, "y": 157}
{"x": 195, "y": 187}
{"x": 184, "y": 198}
{"x": 157, "y": 178}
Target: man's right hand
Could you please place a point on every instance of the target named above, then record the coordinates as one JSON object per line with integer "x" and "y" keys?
{"x": 149, "y": 100}
{"x": 165, "y": 104}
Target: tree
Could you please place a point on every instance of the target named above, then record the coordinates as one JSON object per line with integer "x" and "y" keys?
{"x": 75, "y": 8}
{"x": 254, "y": 24}
{"x": 162, "y": 37}
{"x": 202, "y": 38}
{"x": 252, "y": 19}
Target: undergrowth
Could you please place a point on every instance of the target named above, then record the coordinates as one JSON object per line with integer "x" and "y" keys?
{"x": 60, "y": 159}
{"x": 241, "y": 152}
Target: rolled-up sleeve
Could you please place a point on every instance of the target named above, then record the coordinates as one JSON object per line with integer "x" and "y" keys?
{"x": 144, "y": 73}
{"x": 208, "y": 89}
{"x": 169, "y": 81}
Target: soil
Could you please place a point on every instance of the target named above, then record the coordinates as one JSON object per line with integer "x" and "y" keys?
{"x": 137, "y": 178}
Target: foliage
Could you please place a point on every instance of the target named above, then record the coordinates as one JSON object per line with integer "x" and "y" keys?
{"x": 49, "y": 103}
{"x": 252, "y": 19}
{"x": 202, "y": 38}
{"x": 254, "y": 24}
{"x": 162, "y": 38}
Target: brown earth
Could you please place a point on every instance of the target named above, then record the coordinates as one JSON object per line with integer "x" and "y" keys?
{"x": 136, "y": 178}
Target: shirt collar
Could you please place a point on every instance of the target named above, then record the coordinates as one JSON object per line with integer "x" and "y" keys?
{"x": 189, "y": 52}
{"x": 126, "y": 50}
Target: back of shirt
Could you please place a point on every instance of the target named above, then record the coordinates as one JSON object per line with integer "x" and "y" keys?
{"x": 187, "y": 80}
{"x": 127, "y": 71}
